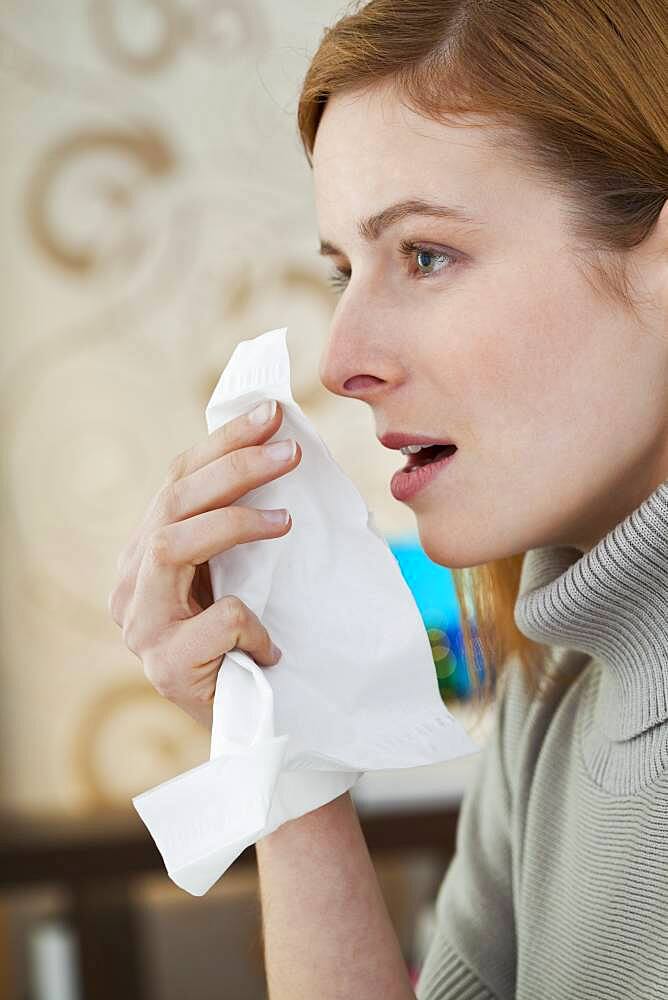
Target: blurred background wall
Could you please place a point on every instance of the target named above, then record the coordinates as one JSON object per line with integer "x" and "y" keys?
{"x": 155, "y": 208}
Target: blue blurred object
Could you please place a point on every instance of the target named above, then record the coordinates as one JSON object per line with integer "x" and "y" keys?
{"x": 433, "y": 588}
{"x": 432, "y": 585}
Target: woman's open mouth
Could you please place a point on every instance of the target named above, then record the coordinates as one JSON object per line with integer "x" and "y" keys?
{"x": 428, "y": 455}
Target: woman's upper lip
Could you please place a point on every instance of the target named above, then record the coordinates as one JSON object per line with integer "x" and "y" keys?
{"x": 395, "y": 440}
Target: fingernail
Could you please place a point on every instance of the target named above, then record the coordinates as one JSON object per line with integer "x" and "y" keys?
{"x": 263, "y": 412}
{"x": 281, "y": 450}
{"x": 275, "y": 651}
{"x": 275, "y": 516}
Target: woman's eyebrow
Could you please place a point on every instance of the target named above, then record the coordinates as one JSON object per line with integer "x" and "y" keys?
{"x": 370, "y": 229}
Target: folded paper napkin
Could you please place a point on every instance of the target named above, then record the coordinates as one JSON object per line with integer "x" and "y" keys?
{"x": 355, "y": 689}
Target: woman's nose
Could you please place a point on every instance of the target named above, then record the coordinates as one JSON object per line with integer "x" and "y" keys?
{"x": 353, "y": 362}
{"x": 345, "y": 374}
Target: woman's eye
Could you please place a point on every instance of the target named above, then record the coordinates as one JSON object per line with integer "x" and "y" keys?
{"x": 339, "y": 279}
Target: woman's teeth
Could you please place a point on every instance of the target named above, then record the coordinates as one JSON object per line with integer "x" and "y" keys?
{"x": 425, "y": 454}
{"x": 413, "y": 449}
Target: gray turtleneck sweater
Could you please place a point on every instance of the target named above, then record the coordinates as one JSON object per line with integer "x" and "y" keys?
{"x": 558, "y": 889}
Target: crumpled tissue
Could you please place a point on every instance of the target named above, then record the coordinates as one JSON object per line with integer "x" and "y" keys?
{"x": 355, "y": 689}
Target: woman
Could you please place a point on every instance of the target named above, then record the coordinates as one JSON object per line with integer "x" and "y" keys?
{"x": 525, "y": 322}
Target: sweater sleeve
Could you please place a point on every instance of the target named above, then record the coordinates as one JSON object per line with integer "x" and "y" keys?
{"x": 472, "y": 955}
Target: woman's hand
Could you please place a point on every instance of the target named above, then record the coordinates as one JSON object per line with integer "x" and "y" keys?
{"x": 163, "y": 600}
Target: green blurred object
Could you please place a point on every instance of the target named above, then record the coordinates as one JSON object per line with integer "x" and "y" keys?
{"x": 445, "y": 662}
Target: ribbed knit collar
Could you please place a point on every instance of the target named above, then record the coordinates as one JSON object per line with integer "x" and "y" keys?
{"x": 610, "y": 602}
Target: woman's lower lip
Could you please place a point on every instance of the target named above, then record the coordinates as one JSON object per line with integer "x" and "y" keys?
{"x": 405, "y": 485}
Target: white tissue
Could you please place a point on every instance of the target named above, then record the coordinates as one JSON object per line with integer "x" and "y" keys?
{"x": 355, "y": 689}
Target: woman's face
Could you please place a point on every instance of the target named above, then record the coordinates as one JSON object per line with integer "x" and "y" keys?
{"x": 490, "y": 337}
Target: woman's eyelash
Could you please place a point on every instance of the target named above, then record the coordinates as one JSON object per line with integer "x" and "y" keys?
{"x": 340, "y": 278}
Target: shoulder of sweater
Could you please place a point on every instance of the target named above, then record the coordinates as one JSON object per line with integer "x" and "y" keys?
{"x": 561, "y": 667}
{"x": 520, "y": 711}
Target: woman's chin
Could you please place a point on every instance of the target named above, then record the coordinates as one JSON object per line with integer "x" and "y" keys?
{"x": 452, "y": 549}
{"x": 440, "y": 549}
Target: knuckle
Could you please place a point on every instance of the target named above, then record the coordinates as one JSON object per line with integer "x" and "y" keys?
{"x": 236, "y": 612}
{"x": 158, "y": 546}
{"x": 236, "y": 430}
{"x": 131, "y": 636}
{"x": 176, "y": 467}
{"x": 162, "y": 682}
{"x": 168, "y": 502}
{"x": 138, "y": 639}
{"x": 203, "y": 696}
{"x": 244, "y": 520}
{"x": 227, "y": 433}
{"x": 161, "y": 675}
{"x": 238, "y": 463}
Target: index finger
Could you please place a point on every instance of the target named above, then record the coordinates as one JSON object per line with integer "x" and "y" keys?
{"x": 235, "y": 433}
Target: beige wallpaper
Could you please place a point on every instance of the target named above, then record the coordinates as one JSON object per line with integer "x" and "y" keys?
{"x": 155, "y": 208}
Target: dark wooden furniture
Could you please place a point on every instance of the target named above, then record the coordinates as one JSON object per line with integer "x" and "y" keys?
{"x": 95, "y": 858}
